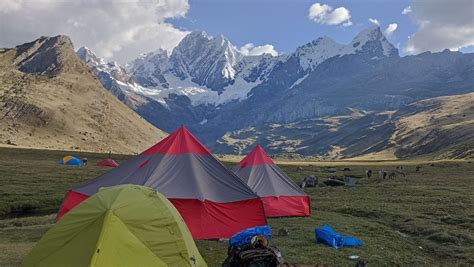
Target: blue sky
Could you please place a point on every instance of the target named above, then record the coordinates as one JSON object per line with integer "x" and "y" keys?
{"x": 285, "y": 24}
{"x": 122, "y": 29}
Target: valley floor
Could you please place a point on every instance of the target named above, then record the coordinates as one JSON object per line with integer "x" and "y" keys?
{"x": 426, "y": 218}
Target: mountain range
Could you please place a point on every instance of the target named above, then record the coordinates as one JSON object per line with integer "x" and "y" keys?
{"x": 323, "y": 99}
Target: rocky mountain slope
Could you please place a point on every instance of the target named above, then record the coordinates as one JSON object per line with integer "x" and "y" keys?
{"x": 207, "y": 84}
{"x": 50, "y": 99}
{"x": 441, "y": 127}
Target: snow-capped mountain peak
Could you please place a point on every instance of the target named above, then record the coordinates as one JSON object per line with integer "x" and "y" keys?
{"x": 111, "y": 75}
{"x": 147, "y": 70}
{"x": 371, "y": 41}
{"x": 211, "y": 70}
{"x": 207, "y": 61}
{"x": 87, "y": 56}
{"x": 221, "y": 40}
{"x": 149, "y": 61}
{"x": 375, "y": 42}
{"x": 317, "y": 51}
{"x": 372, "y": 33}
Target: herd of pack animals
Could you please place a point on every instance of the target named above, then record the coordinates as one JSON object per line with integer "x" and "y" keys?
{"x": 312, "y": 181}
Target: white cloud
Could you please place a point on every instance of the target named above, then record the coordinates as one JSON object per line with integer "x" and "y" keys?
{"x": 252, "y": 50}
{"x": 374, "y": 21}
{"x": 441, "y": 25}
{"x": 324, "y": 14}
{"x": 406, "y": 10}
{"x": 117, "y": 30}
{"x": 10, "y": 5}
{"x": 391, "y": 28}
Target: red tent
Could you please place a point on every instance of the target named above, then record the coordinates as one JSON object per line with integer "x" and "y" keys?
{"x": 212, "y": 200}
{"x": 107, "y": 163}
{"x": 280, "y": 195}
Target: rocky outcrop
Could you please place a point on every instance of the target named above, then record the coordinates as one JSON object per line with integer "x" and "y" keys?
{"x": 23, "y": 112}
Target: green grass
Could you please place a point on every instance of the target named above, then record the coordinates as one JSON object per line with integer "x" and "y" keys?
{"x": 33, "y": 183}
{"x": 425, "y": 219}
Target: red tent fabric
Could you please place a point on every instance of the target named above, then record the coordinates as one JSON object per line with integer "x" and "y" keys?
{"x": 280, "y": 195}
{"x": 107, "y": 163}
{"x": 212, "y": 200}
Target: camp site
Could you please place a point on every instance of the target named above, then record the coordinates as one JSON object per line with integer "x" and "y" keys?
{"x": 236, "y": 133}
{"x": 418, "y": 219}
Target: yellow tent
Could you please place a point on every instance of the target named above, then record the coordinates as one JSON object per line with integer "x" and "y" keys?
{"x": 125, "y": 225}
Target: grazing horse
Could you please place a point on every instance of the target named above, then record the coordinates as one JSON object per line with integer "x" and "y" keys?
{"x": 392, "y": 175}
{"x": 402, "y": 173}
{"x": 303, "y": 185}
{"x": 309, "y": 181}
{"x": 396, "y": 173}
{"x": 368, "y": 173}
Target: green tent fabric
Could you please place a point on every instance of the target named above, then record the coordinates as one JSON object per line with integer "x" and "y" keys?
{"x": 125, "y": 225}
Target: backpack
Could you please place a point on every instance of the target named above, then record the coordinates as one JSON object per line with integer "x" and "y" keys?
{"x": 255, "y": 254}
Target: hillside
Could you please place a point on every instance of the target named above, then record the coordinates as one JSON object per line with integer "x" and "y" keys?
{"x": 436, "y": 128}
{"x": 442, "y": 127}
{"x": 50, "y": 99}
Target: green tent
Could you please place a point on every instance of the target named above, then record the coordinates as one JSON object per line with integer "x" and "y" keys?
{"x": 125, "y": 225}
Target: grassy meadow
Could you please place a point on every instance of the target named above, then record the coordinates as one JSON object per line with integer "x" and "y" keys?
{"x": 426, "y": 218}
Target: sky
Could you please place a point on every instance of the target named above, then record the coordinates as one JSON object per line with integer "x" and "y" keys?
{"x": 122, "y": 29}
{"x": 286, "y": 25}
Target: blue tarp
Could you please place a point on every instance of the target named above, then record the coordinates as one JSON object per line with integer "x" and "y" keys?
{"x": 327, "y": 236}
{"x": 244, "y": 237}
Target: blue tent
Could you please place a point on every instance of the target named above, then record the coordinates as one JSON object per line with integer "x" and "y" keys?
{"x": 70, "y": 160}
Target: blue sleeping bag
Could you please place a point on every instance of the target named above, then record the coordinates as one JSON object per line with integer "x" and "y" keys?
{"x": 327, "y": 236}
{"x": 244, "y": 237}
